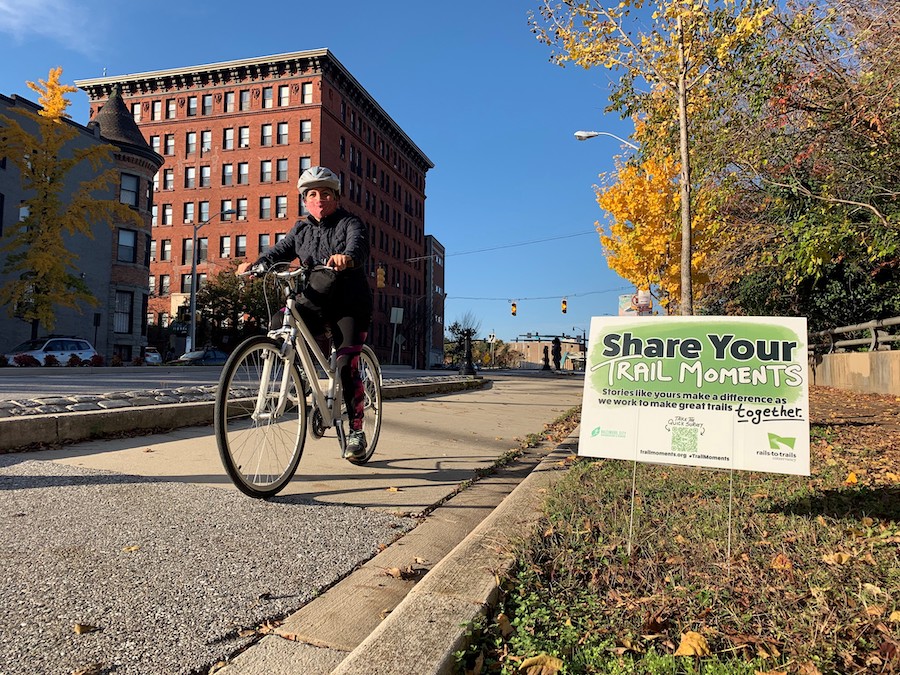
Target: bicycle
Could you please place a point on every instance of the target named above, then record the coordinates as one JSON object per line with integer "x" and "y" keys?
{"x": 261, "y": 408}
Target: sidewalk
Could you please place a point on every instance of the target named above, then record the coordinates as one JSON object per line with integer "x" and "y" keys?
{"x": 147, "y": 539}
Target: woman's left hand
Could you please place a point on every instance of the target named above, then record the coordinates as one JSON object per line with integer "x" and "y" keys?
{"x": 340, "y": 262}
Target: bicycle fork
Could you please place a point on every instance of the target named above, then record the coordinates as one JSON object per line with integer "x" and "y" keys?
{"x": 262, "y": 411}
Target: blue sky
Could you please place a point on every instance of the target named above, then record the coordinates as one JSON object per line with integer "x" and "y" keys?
{"x": 511, "y": 194}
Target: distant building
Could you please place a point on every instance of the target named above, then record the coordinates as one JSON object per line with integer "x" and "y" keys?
{"x": 115, "y": 263}
{"x": 237, "y": 135}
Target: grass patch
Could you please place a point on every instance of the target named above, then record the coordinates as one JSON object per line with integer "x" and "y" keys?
{"x": 811, "y": 586}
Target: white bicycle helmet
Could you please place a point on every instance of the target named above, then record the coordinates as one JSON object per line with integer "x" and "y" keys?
{"x": 318, "y": 176}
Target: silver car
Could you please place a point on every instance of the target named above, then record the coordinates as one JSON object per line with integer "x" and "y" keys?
{"x": 59, "y": 348}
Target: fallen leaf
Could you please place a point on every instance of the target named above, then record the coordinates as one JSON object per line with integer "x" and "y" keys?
{"x": 851, "y": 479}
{"x": 131, "y": 549}
{"x": 393, "y": 489}
{"x": 148, "y": 450}
{"x": 836, "y": 558}
{"x": 692, "y": 644}
{"x": 781, "y": 562}
{"x": 393, "y": 572}
{"x": 82, "y": 628}
{"x": 93, "y": 669}
{"x": 895, "y": 616}
{"x": 504, "y": 625}
{"x": 542, "y": 664}
{"x": 808, "y": 668}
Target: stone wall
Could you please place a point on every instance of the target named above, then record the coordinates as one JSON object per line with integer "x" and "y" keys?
{"x": 867, "y": 372}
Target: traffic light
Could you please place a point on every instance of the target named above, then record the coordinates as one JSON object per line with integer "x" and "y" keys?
{"x": 379, "y": 277}
{"x": 512, "y": 309}
{"x": 565, "y": 305}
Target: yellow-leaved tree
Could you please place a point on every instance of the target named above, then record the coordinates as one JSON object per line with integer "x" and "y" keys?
{"x": 643, "y": 237}
{"x": 43, "y": 272}
{"x": 671, "y": 46}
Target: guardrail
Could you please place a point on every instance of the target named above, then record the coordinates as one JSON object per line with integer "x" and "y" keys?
{"x": 823, "y": 342}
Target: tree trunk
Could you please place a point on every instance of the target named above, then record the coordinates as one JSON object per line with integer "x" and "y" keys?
{"x": 687, "y": 291}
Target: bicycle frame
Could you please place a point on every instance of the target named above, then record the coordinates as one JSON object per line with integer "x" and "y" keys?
{"x": 307, "y": 350}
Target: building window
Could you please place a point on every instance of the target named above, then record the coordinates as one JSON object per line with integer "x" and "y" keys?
{"x": 170, "y": 108}
{"x": 136, "y": 111}
{"x": 229, "y": 101}
{"x": 205, "y": 141}
{"x": 189, "y": 212}
{"x": 242, "y": 208}
{"x": 240, "y": 245}
{"x": 170, "y": 144}
{"x": 226, "y": 205}
{"x": 154, "y": 215}
{"x": 168, "y": 179}
{"x": 190, "y": 177}
{"x": 305, "y": 163}
{"x": 157, "y": 110}
{"x": 225, "y": 247}
{"x": 284, "y": 95}
{"x": 283, "y": 133}
{"x": 190, "y": 142}
{"x": 167, "y": 214}
{"x": 281, "y": 169}
{"x": 207, "y": 104}
{"x": 244, "y": 137}
{"x": 279, "y": 236}
{"x": 265, "y": 136}
{"x": 265, "y": 208}
{"x": 305, "y": 130}
{"x": 202, "y": 250}
{"x": 128, "y": 189}
{"x": 152, "y": 288}
{"x": 228, "y": 139}
{"x": 152, "y": 251}
{"x": 265, "y": 171}
{"x": 205, "y": 176}
{"x": 243, "y": 173}
{"x": 164, "y": 284}
{"x": 122, "y": 319}
{"x": 264, "y": 244}
{"x": 227, "y": 174}
{"x": 186, "y": 281}
{"x": 245, "y": 99}
{"x": 127, "y": 248}
{"x": 267, "y": 97}
{"x": 187, "y": 249}
{"x": 281, "y": 206}
{"x": 306, "y": 90}
{"x": 204, "y": 212}
{"x": 165, "y": 251}
{"x": 192, "y": 106}
{"x": 154, "y": 144}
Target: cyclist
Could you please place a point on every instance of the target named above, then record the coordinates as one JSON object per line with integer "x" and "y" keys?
{"x": 332, "y": 236}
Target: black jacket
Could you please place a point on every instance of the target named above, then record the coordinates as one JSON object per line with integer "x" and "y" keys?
{"x": 314, "y": 242}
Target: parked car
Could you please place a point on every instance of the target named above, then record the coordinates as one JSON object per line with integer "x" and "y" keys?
{"x": 201, "y": 357}
{"x": 152, "y": 357}
{"x": 60, "y": 348}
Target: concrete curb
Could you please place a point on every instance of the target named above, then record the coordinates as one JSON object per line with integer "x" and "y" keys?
{"x": 22, "y": 433}
{"x": 428, "y": 627}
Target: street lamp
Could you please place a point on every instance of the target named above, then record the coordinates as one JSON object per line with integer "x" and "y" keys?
{"x": 193, "y": 334}
{"x": 585, "y": 135}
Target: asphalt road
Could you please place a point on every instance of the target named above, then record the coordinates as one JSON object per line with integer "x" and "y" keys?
{"x": 147, "y": 543}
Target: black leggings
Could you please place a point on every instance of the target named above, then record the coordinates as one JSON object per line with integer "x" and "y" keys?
{"x": 348, "y": 334}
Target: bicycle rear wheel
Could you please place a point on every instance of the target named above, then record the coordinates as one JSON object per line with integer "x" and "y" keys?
{"x": 370, "y": 372}
{"x": 260, "y": 434}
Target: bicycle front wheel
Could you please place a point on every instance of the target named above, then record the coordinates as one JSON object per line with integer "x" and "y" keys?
{"x": 370, "y": 373}
{"x": 260, "y": 417}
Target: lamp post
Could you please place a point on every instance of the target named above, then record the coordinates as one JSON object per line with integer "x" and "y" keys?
{"x": 193, "y": 334}
{"x": 585, "y": 135}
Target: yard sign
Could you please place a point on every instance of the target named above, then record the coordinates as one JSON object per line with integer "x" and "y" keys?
{"x": 720, "y": 392}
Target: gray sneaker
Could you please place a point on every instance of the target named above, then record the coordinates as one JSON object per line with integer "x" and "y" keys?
{"x": 356, "y": 445}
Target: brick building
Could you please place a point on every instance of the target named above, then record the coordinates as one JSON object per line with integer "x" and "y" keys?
{"x": 236, "y": 135}
{"x": 114, "y": 262}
